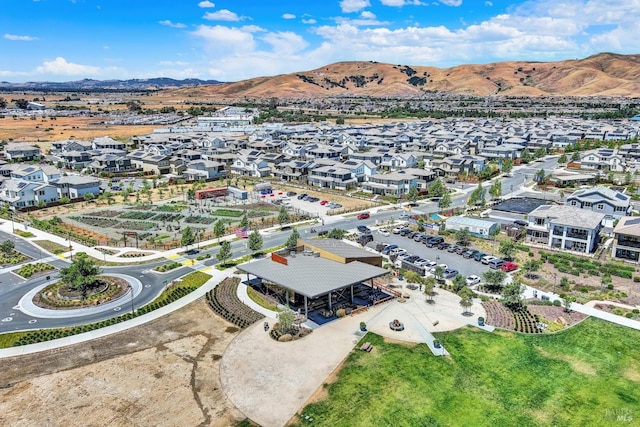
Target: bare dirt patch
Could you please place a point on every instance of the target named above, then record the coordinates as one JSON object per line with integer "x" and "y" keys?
{"x": 164, "y": 373}
{"x": 557, "y": 314}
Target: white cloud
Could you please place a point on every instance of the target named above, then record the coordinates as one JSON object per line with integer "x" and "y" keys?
{"x": 223, "y": 15}
{"x": 19, "y": 38}
{"x": 226, "y": 40}
{"x": 173, "y": 63}
{"x": 206, "y": 4}
{"x": 62, "y": 67}
{"x": 454, "y": 3}
{"x": 488, "y": 3}
{"x": 285, "y": 42}
{"x": 288, "y": 16}
{"x": 367, "y": 15}
{"x": 168, "y": 23}
{"x": 348, "y": 6}
{"x": 399, "y": 3}
{"x": 309, "y": 21}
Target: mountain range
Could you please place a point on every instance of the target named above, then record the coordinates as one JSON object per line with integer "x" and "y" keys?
{"x": 108, "y": 85}
{"x": 604, "y": 74}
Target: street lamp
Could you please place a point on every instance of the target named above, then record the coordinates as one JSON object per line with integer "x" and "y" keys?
{"x": 132, "y": 311}
{"x": 13, "y": 227}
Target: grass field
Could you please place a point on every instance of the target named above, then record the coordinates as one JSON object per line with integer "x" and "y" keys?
{"x": 585, "y": 376}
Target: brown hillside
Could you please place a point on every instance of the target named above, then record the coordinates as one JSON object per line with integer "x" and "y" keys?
{"x": 603, "y": 74}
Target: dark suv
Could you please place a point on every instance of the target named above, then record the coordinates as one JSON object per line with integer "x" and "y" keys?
{"x": 434, "y": 241}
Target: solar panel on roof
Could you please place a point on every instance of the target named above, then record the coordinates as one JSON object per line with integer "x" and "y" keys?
{"x": 633, "y": 221}
{"x": 621, "y": 196}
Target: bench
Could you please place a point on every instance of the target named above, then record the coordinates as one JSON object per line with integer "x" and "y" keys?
{"x": 366, "y": 347}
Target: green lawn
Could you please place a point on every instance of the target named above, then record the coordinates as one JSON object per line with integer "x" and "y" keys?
{"x": 579, "y": 377}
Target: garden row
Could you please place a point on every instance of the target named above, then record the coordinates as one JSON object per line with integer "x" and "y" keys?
{"x": 224, "y": 301}
{"x": 189, "y": 284}
{"x": 571, "y": 264}
{"x": 498, "y": 315}
{"x": 29, "y": 270}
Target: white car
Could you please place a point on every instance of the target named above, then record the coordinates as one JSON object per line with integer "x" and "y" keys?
{"x": 384, "y": 232}
{"x": 487, "y": 259}
{"x": 397, "y": 230}
{"x": 472, "y": 280}
{"x": 398, "y": 251}
{"x": 423, "y": 262}
{"x": 444, "y": 267}
{"x": 429, "y": 265}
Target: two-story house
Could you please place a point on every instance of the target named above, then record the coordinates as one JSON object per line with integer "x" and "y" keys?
{"x": 604, "y": 159}
{"x": 394, "y": 184}
{"x": 21, "y": 152}
{"x": 602, "y": 200}
{"x": 19, "y": 193}
{"x": 76, "y": 186}
{"x": 565, "y": 227}
{"x": 332, "y": 177}
{"x": 626, "y": 239}
{"x": 205, "y": 169}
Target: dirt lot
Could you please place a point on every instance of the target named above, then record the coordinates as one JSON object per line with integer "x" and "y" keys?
{"x": 165, "y": 373}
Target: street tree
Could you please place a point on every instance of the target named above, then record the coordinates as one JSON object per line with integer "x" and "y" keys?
{"x": 292, "y": 241}
{"x": 445, "y": 201}
{"x": 459, "y": 283}
{"x": 525, "y": 156}
{"x": 507, "y": 166}
{"x": 188, "y": 238}
{"x": 255, "y": 241}
{"x": 88, "y": 197}
{"x": 575, "y": 156}
{"x": 465, "y": 303}
{"x": 540, "y": 152}
{"x": 337, "y": 233}
{"x": 463, "y": 237}
{"x": 529, "y": 267}
{"x": 568, "y": 300}
{"x": 285, "y": 319}
{"x": 412, "y": 194}
{"x": 438, "y": 272}
{"x": 495, "y": 190}
{"x": 225, "y": 252}
{"x": 429, "y": 283}
{"x": 562, "y": 158}
{"x": 512, "y": 294}
{"x": 219, "y": 229}
{"x": 477, "y": 196}
{"x": 413, "y": 277}
{"x": 81, "y": 275}
{"x": 283, "y": 216}
{"x": 507, "y": 249}
{"x": 191, "y": 194}
{"x": 436, "y": 188}
{"x": 494, "y": 279}
{"x": 244, "y": 221}
{"x": 541, "y": 177}
{"x": 7, "y": 247}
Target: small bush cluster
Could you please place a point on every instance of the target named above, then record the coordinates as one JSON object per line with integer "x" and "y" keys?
{"x": 168, "y": 267}
{"x": 574, "y": 265}
{"x": 29, "y": 270}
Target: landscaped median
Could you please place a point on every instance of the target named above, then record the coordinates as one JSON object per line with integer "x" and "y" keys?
{"x": 179, "y": 289}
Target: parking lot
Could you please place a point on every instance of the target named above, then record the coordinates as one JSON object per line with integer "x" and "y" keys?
{"x": 465, "y": 266}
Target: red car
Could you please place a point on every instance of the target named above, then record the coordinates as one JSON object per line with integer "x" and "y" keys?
{"x": 364, "y": 215}
{"x": 324, "y": 202}
{"x": 509, "y": 266}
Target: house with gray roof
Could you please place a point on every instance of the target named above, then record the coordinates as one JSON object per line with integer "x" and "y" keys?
{"x": 205, "y": 169}
{"x": 20, "y": 193}
{"x": 76, "y": 186}
{"x": 21, "y": 152}
{"x": 565, "y": 227}
{"x": 394, "y": 184}
{"x": 602, "y": 200}
{"x": 626, "y": 239}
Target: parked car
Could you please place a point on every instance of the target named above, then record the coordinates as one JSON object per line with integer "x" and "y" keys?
{"x": 472, "y": 280}
{"x": 324, "y": 202}
{"x": 460, "y": 250}
{"x": 312, "y": 199}
{"x": 363, "y": 229}
{"x": 302, "y": 196}
{"x": 478, "y": 256}
{"x": 364, "y": 215}
{"x": 449, "y": 273}
{"x": 363, "y": 239}
{"x": 411, "y": 258}
{"x": 469, "y": 253}
{"x": 405, "y": 231}
{"x": 430, "y": 265}
{"x": 398, "y": 251}
{"x": 325, "y": 232}
{"x": 443, "y": 245}
{"x": 410, "y": 234}
{"x": 452, "y": 248}
{"x": 388, "y": 249}
{"x": 434, "y": 241}
{"x": 422, "y": 262}
{"x": 487, "y": 259}
{"x": 509, "y": 266}
{"x": 496, "y": 263}
{"x": 433, "y": 269}
{"x": 521, "y": 223}
{"x": 384, "y": 232}
{"x": 397, "y": 230}
{"x": 291, "y": 193}
{"x": 418, "y": 237}
{"x": 116, "y": 188}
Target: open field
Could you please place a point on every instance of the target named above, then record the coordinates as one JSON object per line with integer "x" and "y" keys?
{"x": 587, "y": 375}
{"x": 164, "y": 373}
{"x": 46, "y": 129}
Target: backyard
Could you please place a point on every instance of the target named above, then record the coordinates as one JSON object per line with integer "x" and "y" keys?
{"x": 586, "y": 375}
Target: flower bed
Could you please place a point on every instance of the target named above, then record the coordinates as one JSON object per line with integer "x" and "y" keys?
{"x": 106, "y": 214}
{"x": 227, "y": 212}
{"x": 96, "y": 222}
{"x": 196, "y": 219}
{"x": 166, "y": 217}
{"x": 171, "y": 207}
{"x": 135, "y": 225}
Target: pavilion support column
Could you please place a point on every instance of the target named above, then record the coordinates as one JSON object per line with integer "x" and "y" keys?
{"x": 287, "y": 294}
{"x": 306, "y": 309}
{"x": 351, "y": 294}
{"x": 329, "y": 300}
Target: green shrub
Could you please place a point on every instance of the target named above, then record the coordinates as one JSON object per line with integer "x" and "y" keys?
{"x": 557, "y": 303}
{"x": 628, "y": 315}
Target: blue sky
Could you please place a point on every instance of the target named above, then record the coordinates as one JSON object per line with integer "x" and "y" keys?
{"x": 229, "y": 40}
